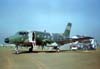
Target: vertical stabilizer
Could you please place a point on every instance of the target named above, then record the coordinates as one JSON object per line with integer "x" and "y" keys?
{"x": 67, "y": 30}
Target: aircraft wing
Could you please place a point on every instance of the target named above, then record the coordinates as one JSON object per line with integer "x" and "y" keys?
{"x": 71, "y": 40}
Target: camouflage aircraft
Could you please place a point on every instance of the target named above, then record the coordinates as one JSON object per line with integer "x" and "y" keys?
{"x": 32, "y": 38}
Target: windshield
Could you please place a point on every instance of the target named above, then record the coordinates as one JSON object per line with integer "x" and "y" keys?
{"x": 23, "y": 33}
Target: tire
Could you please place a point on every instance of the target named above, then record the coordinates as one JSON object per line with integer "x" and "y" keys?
{"x": 30, "y": 49}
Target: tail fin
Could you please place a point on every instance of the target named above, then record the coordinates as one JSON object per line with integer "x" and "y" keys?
{"x": 67, "y": 30}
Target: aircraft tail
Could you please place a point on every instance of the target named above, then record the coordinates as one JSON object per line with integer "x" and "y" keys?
{"x": 67, "y": 30}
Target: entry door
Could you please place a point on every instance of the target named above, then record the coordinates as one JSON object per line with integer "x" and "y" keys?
{"x": 30, "y": 37}
{"x": 33, "y": 36}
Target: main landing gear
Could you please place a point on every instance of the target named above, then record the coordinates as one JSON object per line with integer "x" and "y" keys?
{"x": 31, "y": 49}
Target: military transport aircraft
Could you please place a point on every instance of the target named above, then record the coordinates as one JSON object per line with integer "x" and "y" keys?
{"x": 32, "y": 38}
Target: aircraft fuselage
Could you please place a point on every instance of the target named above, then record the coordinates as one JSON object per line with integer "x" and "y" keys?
{"x": 24, "y": 38}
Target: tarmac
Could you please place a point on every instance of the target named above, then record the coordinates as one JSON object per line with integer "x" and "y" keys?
{"x": 49, "y": 60}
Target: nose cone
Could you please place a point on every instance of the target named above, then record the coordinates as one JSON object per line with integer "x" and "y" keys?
{"x": 6, "y": 40}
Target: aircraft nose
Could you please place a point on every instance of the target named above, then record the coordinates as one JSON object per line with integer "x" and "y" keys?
{"x": 6, "y": 40}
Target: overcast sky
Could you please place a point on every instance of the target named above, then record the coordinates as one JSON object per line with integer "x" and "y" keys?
{"x": 52, "y": 15}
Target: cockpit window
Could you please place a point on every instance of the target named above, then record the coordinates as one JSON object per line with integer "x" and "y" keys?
{"x": 22, "y": 33}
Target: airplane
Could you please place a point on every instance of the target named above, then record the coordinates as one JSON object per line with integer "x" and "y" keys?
{"x": 34, "y": 38}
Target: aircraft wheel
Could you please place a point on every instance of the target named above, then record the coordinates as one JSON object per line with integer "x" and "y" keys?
{"x": 30, "y": 49}
{"x": 17, "y": 52}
